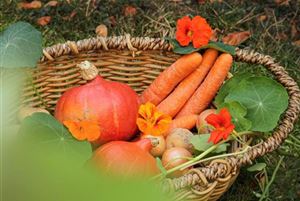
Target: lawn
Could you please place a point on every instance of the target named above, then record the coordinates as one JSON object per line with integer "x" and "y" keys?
{"x": 274, "y": 27}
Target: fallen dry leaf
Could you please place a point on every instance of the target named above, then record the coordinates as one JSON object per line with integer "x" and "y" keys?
{"x": 262, "y": 18}
{"x": 214, "y": 36}
{"x": 101, "y": 30}
{"x": 43, "y": 21}
{"x": 129, "y": 11}
{"x": 73, "y": 14}
{"x": 69, "y": 17}
{"x": 31, "y": 5}
{"x": 281, "y": 36}
{"x": 297, "y": 43}
{"x": 51, "y": 4}
{"x": 236, "y": 38}
{"x": 201, "y": 1}
{"x": 294, "y": 30}
{"x": 176, "y": 1}
{"x": 112, "y": 20}
{"x": 219, "y": 1}
{"x": 282, "y": 2}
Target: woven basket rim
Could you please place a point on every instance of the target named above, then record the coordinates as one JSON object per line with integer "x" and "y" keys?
{"x": 218, "y": 168}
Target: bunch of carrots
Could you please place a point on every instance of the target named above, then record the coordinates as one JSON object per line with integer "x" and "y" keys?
{"x": 188, "y": 86}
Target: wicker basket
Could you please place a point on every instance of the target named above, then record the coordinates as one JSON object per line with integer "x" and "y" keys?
{"x": 137, "y": 61}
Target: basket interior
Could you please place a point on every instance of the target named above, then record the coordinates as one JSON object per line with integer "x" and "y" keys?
{"x": 52, "y": 78}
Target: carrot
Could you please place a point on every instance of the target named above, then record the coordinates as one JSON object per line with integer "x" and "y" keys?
{"x": 176, "y": 100}
{"x": 170, "y": 77}
{"x": 187, "y": 122}
{"x": 210, "y": 86}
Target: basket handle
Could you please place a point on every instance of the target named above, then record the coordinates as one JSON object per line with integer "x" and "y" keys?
{"x": 291, "y": 114}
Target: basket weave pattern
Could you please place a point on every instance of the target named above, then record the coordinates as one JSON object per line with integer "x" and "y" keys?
{"x": 137, "y": 62}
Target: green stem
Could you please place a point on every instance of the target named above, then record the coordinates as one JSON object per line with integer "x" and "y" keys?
{"x": 216, "y": 157}
{"x": 266, "y": 190}
{"x": 202, "y": 155}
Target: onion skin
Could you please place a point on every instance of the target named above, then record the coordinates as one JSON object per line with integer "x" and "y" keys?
{"x": 113, "y": 105}
{"x": 159, "y": 149}
{"x": 126, "y": 158}
{"x": 174, "y": 157}
{"x": 202, "y": 125}
{"x": 180, "y": 137}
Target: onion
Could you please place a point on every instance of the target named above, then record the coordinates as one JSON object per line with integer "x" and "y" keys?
{"x": 159, "y": 148}
{"x": 202, "y": 125}
{"x": 174, "y": 157}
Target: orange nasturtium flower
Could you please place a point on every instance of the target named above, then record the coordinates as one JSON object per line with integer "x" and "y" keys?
{"x": 195, "y": 30}
{"x": 84, "y": 130}
{"x": 222, "y": 124}
{"x": 151, "y": 121}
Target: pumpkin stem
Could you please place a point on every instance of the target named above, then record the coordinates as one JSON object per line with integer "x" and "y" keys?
{"x": 88, "y": 70}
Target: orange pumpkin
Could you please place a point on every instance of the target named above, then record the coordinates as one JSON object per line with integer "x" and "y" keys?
{"x": 126, "y": 158}
{"x": 99, "y": 111}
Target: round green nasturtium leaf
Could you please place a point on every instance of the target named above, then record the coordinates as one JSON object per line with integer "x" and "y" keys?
{"x": 45, "y": 134}
{"x": 265, "y": 100}
{"x": 20, "y": 46}
{"x": 228, "y": 86}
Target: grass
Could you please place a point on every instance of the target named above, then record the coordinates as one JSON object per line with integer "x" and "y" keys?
{"x": 157, "y": 18}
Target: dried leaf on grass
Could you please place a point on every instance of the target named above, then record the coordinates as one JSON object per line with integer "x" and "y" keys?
{"x": 262, "y": 18}
{"x": 297, "y": 43}
{"x": 112, "y": 20}
{"x": 51, "y": 4}
{"x": 176, "y": 1}
{"x": 236, "y": 38}
{"x": 71, "y": 16}
{"x": 281, "y": 36}
{"x": 201, "y": 1}
{"x": 211, "y": 1}
{"x": 214, "y": 36}
{"x": 31, "y": 5}
{"x": 130, "y": 11}
{"x": 294, "y": 30}
{"x": 282, "y": 2}
{"x": 101, "y": 30}
{"x": 43, "y": 21}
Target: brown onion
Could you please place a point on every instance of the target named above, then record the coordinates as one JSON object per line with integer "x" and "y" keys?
{"x": 174, "y": 157}
{"x": 202, "y": 125}
{"x": 159, "y": 144}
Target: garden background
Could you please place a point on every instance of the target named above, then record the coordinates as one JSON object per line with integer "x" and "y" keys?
{"x": 268, "y": 26}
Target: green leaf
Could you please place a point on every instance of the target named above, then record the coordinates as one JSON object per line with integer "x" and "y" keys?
{"x": 265, "y": 100}
{"x": 257, "y": 167}
{"x": 45, "y": 133}
{"x": 189, "y": 49}
{"x": 160, "y": 166}
{"x": 238, "y": 113}
{"x": 229, "y": 85}
{"x": 20, "y": 46}
{"x": 200, "y": 143}
{"x": 182, "y": 50}
{"x": 221, "y": 47}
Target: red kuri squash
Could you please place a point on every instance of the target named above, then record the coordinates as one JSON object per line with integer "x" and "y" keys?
{"x": 126, "y": 158}
{"x": 99, "y": 111}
